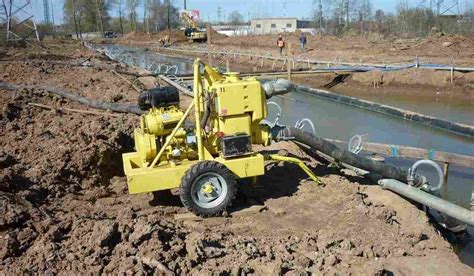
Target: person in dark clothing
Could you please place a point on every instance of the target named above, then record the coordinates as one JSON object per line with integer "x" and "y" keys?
{"x": 303, "y": 41}
{"x": 280, "y": 44}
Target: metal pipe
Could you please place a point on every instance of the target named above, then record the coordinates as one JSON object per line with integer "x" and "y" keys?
{"x": 277, "y": 87}
{"x": 441, "y": 205}
{"x": 197, "y": 103}
{"x": 372, "y": 66}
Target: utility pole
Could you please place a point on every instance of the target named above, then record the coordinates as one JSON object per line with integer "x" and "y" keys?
{"x": 22, "y": 11}
{"x": 168, "y": 13}
{"x": 447, "y": 7}
{"x": 219, "y": 14}
{"x": 47, "y": 18}
{"x": 185, "y": 5}
{"x": 52, "y": 13}
{"x": 320, "y": 14}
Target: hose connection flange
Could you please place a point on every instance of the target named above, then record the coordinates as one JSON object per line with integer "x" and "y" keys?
{"x": 425, "y": 184}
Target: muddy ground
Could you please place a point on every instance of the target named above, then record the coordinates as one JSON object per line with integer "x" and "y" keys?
{"x": 437, "y": 49}
{"x": 66, "y": 208}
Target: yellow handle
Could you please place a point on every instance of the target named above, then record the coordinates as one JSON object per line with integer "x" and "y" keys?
{"x": 296, "y": 161}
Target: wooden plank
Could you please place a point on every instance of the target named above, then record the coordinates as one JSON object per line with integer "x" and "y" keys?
{"x": 416, "y": 153}
{"x": 127, "y": 81}
{"x": 177, "y": 85}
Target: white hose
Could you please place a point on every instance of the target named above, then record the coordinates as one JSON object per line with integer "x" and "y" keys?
{"x": 433, "y": 164}
{"x": 300, "y": 124}
{"x": 355, "y": 144}
{"x": 280, "y": 111}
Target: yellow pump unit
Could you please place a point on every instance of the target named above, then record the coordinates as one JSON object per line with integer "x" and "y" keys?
{"x": 203, "y": 159}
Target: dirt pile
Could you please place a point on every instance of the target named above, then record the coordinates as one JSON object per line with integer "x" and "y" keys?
{"x": 45, "y": 155}
{"x": 356, "y": 49}
{"x": 444, "y": 49}
{"x": 175, "y": 36}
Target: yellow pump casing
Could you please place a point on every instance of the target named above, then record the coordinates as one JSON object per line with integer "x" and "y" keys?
{"x": 240, "y": 105}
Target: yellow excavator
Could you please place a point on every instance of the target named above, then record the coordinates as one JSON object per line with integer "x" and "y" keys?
{"x": 191, "y": 30}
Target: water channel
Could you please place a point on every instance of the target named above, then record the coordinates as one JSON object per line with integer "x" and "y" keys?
{"x": 337, "y": 121}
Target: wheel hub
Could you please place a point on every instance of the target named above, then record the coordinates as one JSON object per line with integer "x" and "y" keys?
{"x": 208, "y": 188}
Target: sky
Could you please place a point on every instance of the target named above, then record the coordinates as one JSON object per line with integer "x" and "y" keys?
{"x": 248, "y": 8}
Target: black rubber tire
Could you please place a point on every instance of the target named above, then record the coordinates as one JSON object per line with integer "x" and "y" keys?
{"x": 193, "y": 173}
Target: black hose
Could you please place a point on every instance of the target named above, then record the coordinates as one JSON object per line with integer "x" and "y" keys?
{"x": 342, "y": 155}
{"x": 117, "y": 107}
{"x": 207, "y": 112}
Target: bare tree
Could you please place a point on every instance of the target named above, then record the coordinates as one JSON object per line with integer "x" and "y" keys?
{"x": 120, "y": 7}
{"x": 132, "y": 6}
{"x": 98, "y": 5}
{"x": 73, "y": 12}
{"x": 235, "y": 18}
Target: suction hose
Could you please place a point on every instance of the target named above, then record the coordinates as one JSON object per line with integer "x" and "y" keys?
{"x": 343, "y": 155}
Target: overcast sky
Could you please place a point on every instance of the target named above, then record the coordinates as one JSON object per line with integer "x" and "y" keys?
{"x": 252, "y": 8}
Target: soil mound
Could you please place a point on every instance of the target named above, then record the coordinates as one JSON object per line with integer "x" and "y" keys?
{"x": 141, "y": 37}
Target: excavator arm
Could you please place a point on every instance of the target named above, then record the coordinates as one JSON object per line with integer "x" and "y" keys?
{"x": 188, "y": 21}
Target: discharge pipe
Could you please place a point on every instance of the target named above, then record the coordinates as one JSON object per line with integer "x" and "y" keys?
{"x": 429, "y": 200}
{"x": 277, "y": 87}
{"x": 396, "y": 176}
{"x": 343, "y": 155}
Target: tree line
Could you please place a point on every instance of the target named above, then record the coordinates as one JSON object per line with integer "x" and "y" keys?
{"x": 340, "y": 17}
{"x": 336, "y": 17}
{"x": 122, "y": 16}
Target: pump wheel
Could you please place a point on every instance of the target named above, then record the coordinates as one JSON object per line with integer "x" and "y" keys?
{"x": 208, "y": 188}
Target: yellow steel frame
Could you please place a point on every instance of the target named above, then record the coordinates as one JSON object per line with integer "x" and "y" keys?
{"x": 168, "y": 176}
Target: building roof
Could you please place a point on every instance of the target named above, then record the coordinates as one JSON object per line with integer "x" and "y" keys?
{"x": 273, "y": 18}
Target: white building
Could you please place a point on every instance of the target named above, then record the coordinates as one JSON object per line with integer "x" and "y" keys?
{"x": 276, "y": 25}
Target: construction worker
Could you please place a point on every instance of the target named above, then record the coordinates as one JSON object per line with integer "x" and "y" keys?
{"x": 280, "y": 44}
{"x": 303, "y": 41}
